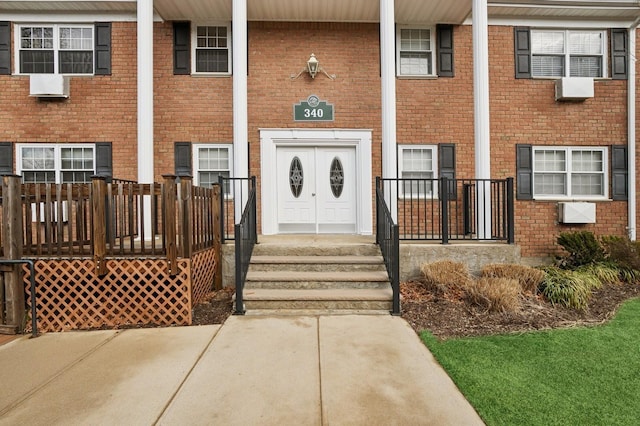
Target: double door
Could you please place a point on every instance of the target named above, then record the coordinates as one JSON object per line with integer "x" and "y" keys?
{"x": 316, "y": 189}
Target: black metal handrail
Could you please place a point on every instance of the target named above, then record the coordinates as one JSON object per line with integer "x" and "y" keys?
{"x": 233, "y": 190}
{"x": 246, "y": 237}
{"x": 447, "y": 209}
{"x": 387, "y": 239}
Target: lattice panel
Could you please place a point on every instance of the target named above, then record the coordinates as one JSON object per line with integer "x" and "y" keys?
{"x": 134, "y": 292}
{"x": 203, "y": 268}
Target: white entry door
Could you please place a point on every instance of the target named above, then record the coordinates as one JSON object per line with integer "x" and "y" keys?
{"x": 316, "y": 189}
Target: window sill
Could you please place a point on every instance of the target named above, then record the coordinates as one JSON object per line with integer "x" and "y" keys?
{"x": 417, "y": 77}
{"x": 206, "y": 74}
{"x": 572, "y": 200}
{"x": 558, "y": 78}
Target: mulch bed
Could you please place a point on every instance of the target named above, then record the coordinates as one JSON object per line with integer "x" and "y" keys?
{"x": 447, "y": 316}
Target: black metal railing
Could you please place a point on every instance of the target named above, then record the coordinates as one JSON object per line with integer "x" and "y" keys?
{"x": 246, "y": 237}
{"x": 387, "y": 239}
{"x": 235, "y": 192}
{"x": 452, "y": 209}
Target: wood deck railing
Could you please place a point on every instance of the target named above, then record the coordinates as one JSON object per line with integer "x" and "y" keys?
{"x": 122, "y": 218}
{"x": 103, "y": 224}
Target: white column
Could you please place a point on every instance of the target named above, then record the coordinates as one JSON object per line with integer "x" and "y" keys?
{"x": 631, "y": 144}
{"x": 481, "y": 114}
{"x": 145, "y": 103}
{"x": 388, "y": 74}
{"x": 240, "y": 109}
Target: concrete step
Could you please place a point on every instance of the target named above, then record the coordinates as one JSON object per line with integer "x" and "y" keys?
{"x": 317, "y": 263}
{"x": 318, "y": 299}
{"x": 316, "y": 280}
{"x": 296, "y": 248}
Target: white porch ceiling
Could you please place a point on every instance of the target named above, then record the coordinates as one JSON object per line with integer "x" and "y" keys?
{"x": 407, "y": 11}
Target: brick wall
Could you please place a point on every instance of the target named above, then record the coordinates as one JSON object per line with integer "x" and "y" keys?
{"x": 99, "y": 109}
{"x": 429, "y": 111}
{"x": 524, "y": 111}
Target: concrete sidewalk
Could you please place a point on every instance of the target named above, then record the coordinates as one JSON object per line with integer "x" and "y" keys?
{"x": 303, "y": 370}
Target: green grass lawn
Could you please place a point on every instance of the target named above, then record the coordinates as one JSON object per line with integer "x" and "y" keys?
{"x": 579, "y": 376}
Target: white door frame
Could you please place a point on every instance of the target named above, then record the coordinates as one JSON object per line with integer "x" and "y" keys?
{"x": 270, "y": 139}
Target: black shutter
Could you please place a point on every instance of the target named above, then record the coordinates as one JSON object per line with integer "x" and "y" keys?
{"x": 619, "y": 173}
{"x": 182, "y": 158}
{"x": 6, "y": 158}
{"x": 181, "y": 48}
{"x": 104, "y": 160}
{"x": 5, "y": 48}
{"x": 522, "y": 37}
{"x": 524, "y": 172}
{"x": 619, "y": 52}
{"x": 103, "y": 48}
{"x": 447, "y": 165}
{"x": 444, "y": 35}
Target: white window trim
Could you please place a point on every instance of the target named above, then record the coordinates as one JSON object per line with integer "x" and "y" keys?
{"x": 434, "y": 150}
{"x": 194, "y": 46}
{"x": 434, "y": 66}
{"x": 196, "y": 157}
{"x": 567, "y": 55}
{"x": 57, "y": 149}
{"x": 568, "y": 150}
{"x": 56, "y": 44}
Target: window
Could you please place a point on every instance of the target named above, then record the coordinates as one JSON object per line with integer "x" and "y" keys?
{"x": 560, "y": 53}
{"x": 212, "y": 161}
{"x": 569, "y": 172}
{"x": 415, "y": 47}
{"x": 417, "y": 166}
{"x": 55, "y": 49}
{"x": 56, "y": 163}
{"x": 212, "y": 49}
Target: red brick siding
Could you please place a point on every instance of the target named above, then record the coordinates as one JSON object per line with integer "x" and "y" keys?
{"x": 429, "y": 111}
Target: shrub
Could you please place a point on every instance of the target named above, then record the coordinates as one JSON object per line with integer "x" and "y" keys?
{"x": 572, "y": 289}
{"x": 583, "y": 248}
{"x": 528, "y": 278}
{"x": 604, "y": 272}
{"x": 495, "y": 294}
{"x": 625, "y": 254}
{"x": 445, "y": 275}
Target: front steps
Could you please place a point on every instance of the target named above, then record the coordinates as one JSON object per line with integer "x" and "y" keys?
{"x": 317, "y": 275}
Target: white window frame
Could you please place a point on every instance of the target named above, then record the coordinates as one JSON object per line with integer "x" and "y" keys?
{"x": 434, "y": 159}
{"x": 194, "y": 47}
{"x": 56, "y": 45}
{"x": 567, "y": 54}
{"x": 569, "y": 172}
{"x": 196, "y": 162}
{"x": 57, "y": 155}
{"x": 432, "y": 41}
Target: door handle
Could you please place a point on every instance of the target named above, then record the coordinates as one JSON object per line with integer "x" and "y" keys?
{"x": 313, "y": 194}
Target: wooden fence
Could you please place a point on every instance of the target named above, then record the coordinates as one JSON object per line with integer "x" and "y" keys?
{"x": 106, "y": 250}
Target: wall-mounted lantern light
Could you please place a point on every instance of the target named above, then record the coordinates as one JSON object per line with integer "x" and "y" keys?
{"x": 313, "y": 68}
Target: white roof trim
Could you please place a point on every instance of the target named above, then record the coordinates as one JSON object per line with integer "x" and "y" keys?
{"x": 71, "y": 18}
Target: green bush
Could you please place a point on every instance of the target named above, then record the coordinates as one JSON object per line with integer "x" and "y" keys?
{"x": 625, "y": 254}
{"x": 605, "y": 272}
{"x": 572, "y": 289}
{"x": 583, "y": 248}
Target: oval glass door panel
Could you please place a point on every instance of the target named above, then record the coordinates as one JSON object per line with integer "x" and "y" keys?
{"x": 336, "y": 177}
{"x": 296, "y": 177}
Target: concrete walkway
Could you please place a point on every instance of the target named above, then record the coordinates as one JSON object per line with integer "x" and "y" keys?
{"x": 302, "y": 370}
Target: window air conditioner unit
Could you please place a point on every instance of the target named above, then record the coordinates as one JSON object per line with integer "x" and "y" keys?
{"x": 49, "y": 86}
{"x": 577, "y": 212}
{"x": 574, "y": 88}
